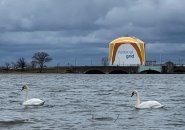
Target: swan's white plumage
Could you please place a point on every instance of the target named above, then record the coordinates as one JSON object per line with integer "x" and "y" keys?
{"x": 147, "y": 104}
{"x": 32, "y": 101}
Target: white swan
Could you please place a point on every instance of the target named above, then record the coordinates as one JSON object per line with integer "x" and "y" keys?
{"x": 147, "y": 104}
{"x": 32, "y": 101}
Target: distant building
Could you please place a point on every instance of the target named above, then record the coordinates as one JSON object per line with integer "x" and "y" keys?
{"x": 127, "y": 51}
{"x": 169, "y": 67}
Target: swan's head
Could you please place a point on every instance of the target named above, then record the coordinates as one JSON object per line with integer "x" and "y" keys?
{"x": 134, "y": 93}
{"x": 24, "y": 87}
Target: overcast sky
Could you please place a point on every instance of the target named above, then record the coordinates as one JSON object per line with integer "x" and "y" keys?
{"x": 80, "y": 30}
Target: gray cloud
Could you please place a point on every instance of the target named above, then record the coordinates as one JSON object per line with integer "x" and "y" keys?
{"x": 68, "y": 29}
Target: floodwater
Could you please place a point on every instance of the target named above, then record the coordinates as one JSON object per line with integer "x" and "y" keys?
{"x": 92, "y": 102}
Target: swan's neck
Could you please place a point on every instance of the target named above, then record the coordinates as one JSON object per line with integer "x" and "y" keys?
{"x": 26, "y": 98}
{"x": 138, "y": 100}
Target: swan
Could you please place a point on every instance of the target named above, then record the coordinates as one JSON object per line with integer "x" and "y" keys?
{"x": 32, "y": 101}
{"x": 147, "y": 104}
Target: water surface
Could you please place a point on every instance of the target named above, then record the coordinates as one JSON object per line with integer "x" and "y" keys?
{"x": 92, "y": 102}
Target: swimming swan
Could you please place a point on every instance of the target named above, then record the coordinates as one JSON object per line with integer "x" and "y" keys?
{"x": 147, "y": 104}
{"x": 32, "y": 101}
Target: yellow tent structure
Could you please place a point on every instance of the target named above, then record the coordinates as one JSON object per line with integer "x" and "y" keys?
{"x": 127, "y": 51}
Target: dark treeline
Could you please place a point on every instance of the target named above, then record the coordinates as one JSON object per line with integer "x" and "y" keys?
{"x": 38, "y": 62}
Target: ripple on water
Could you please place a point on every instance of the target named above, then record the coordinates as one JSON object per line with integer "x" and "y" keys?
{"x": 103, "y": 118}
{"x": 10, "y": 122}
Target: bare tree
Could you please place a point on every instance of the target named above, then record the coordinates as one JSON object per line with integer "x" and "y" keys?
{"x": 7, "y": 66}
{"x": 104, "y": 61}
{"x": 21, "y": 62}
{"x": 14, "y": 65}
{"x": 41, "y": 58}
{"x": 33, "y": 64}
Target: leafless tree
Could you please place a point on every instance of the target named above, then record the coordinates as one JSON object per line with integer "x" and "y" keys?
{"x": 14, "y": 65}
{"x": 41, "y": 58}
{"x": 33, "y": 64}
{"x": 7, "y": 66}
{"x": 104, "y": 61}
{"x": 21, "y": 63}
